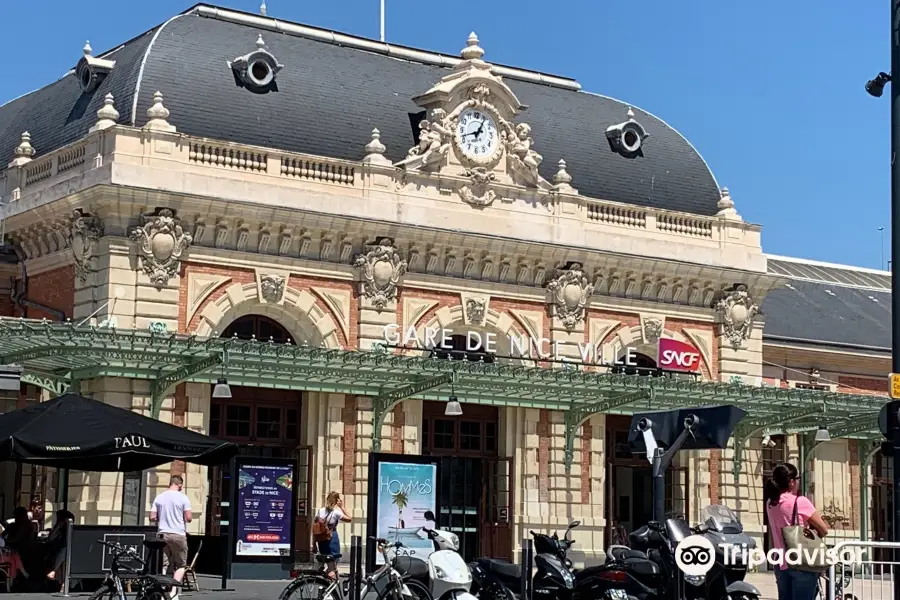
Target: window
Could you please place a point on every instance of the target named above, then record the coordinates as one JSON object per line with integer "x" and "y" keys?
{"x": 259, "y": 328}
{"x": 470, "y": 435}
{"x": 263, "y": 422}
{"x": 444, "y": 434}
{"x": 475, "y": 432}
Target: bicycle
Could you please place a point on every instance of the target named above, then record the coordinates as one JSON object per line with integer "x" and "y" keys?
{"x": 386, "y": 583}
{"x": 841, "y": 581}
{"x": 149, "y": 587}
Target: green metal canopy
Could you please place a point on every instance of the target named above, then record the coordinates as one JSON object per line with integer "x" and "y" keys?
{"x": 56, "y": 356}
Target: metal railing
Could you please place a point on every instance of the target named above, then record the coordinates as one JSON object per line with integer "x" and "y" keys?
{"x": 869, "y": 578}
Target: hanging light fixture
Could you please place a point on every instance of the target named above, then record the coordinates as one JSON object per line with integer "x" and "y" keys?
{"x": 222, "y": 389}
{"x": 454, "y": 408}
{"x": 822, "y": 434}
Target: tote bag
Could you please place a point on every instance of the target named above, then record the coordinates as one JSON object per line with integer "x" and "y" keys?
{"x": 320, "y": 530}
{"x": 807, "y": 544}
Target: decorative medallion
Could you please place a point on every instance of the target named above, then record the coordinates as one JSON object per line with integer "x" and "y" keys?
{"x": 737, "y": 310}
{"x": 570, "y": 293}
{"x": 272, "y": 288}
{"x": 653, "y": 329}
{"x": 86, "y": 231}
{"x": 381, "y": 269}
{"x": 479, "y": 193}
{"x": 162, "y": 240}
{"x": 476, "y": 311}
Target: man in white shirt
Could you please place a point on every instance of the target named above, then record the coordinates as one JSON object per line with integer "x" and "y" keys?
{"x": 172, "y": 510}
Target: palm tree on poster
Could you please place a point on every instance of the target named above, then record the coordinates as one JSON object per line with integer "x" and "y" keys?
{"x": 401, "y": 501}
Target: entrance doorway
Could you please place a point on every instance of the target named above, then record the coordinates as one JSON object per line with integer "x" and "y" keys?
{"x": 773, "y": 454}
{"x": 264, "y": 423}
{"x": 475, "y": 484}
{"x": 629, "y": 503}
{"x": 882, "y": 494}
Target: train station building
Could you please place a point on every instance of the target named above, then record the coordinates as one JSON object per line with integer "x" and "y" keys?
{"x": 353, "y": 235}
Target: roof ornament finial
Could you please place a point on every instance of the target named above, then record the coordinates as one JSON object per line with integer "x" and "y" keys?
{"x": 107, "y": 116}
{"x": 87, "y": 48}
{"x": 562, "y": 180}
{"x": 375, "y": 150}
{"x": 23, "y": 152}
{"x": 158, "y": 115}
{"x": 726, "y": 206}
{"x": 260, "y": 43}
{"x": 472, "y": 51}
{"x": 630, "y": 113}
{"x": 262, "y": 8}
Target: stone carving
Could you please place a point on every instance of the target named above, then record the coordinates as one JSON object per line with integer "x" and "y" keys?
{"x": 570, "y": 293}
{"x": 381, "y": 269}
{"x": 737, "y": 310}
{"x": 479, "y": 193}
{"x": 272, "y": 288}
{"x": 86, "y": 231}
{"x": 162, "y": 240}
{"x": 522, "y": 158}
{"x": 653, "y": 329}
{"x": 434, "y": 142}
{"x": 476, "y": 310}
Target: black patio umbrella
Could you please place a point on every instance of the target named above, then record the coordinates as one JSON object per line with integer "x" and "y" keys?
{"x": 74, "y": 432}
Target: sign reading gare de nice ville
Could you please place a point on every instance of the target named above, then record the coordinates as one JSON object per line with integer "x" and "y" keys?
{"x": 672, "y": 354}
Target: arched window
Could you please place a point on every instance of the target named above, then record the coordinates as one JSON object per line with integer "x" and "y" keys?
{"x": 644, "y": 365}
{"x": 261, "y": 328}
{"x": 459, "y": 351}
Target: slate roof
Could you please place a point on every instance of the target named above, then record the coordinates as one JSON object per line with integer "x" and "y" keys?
{"x": 829, "y": 305}
{"x": 329, "y": 99}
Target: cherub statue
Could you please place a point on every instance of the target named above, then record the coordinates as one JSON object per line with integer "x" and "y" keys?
{"x": 433, "y": 141}
{"x": 521, "y": 148}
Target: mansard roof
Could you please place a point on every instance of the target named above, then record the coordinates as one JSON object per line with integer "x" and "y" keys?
{"x": 828, "y": 304}
{"x": 333, "y": 90}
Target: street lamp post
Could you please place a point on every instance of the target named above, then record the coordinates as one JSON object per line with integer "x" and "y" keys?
{"x": 876, "y": 87}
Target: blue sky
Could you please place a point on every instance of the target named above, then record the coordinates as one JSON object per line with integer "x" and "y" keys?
{"x": 770, "y": 93}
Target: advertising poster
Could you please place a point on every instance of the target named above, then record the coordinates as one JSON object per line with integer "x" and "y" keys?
{"x": 406, "y": 491}
{"x": 264, "y": 510}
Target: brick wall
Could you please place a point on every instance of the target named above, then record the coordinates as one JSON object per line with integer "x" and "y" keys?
{"x": 853, "y": 447}
{"x": 348, "y": 444}
{"x": 543, "y": 431}
{"x": 55, "y": 289}
{"x": 862, "y": 385}
{"x": 247, "y": 276}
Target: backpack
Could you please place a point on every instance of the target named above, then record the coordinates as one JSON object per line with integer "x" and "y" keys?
{"x": 321, "y": 532}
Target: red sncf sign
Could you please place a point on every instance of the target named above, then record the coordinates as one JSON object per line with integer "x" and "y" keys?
{"x": 677, "y": 356}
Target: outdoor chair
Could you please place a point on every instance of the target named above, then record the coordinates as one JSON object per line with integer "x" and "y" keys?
{"x": 190, "y": 575}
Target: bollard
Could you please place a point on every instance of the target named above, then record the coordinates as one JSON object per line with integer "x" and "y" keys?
{"x": 527, "y": 566}
{"x": 355, "y": 567}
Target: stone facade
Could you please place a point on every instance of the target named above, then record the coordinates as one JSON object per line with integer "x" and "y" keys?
{"x": 189, "y": 235}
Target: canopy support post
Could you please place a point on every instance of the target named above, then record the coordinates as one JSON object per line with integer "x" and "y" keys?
{"x": 382, "y": 404}
{"x": 164, "y": 381}
{"x": 746, "y": 430}
{"x": 576, "y": 415}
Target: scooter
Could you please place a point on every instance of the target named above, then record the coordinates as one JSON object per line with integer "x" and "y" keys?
{"x": 445, "y": 573}
{"x": 726, "y": 578}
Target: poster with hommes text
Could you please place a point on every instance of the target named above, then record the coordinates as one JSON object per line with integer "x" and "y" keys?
{"x": 406, "y": 491}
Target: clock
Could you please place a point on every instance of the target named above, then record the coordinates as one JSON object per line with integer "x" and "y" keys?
{"x": 476, "y": 135}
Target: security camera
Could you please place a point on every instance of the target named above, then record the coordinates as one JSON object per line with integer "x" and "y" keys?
{"x": 644, "y": 425}
{"x": 627, "y": 138}
{"x": 875, "y": 87}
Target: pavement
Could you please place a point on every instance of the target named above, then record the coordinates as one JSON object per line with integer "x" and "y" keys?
{"x": 242, "y": 589}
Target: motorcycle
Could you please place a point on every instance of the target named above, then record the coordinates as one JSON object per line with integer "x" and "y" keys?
{"x": 726, "y": 577}
{"x": 445, "y": 573}
{"x": 555, "y": 576}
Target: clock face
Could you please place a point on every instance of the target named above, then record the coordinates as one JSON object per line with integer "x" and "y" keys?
{"x": 477, "y": 135}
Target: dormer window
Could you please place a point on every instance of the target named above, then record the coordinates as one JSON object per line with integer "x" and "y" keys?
{"x": 257, "y": 70}
{"x": 92, "y": 71}
{"x": 627, "y": 138}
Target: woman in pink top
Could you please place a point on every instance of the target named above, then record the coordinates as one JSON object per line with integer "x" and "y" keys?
{"x": 780, "y": 497}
